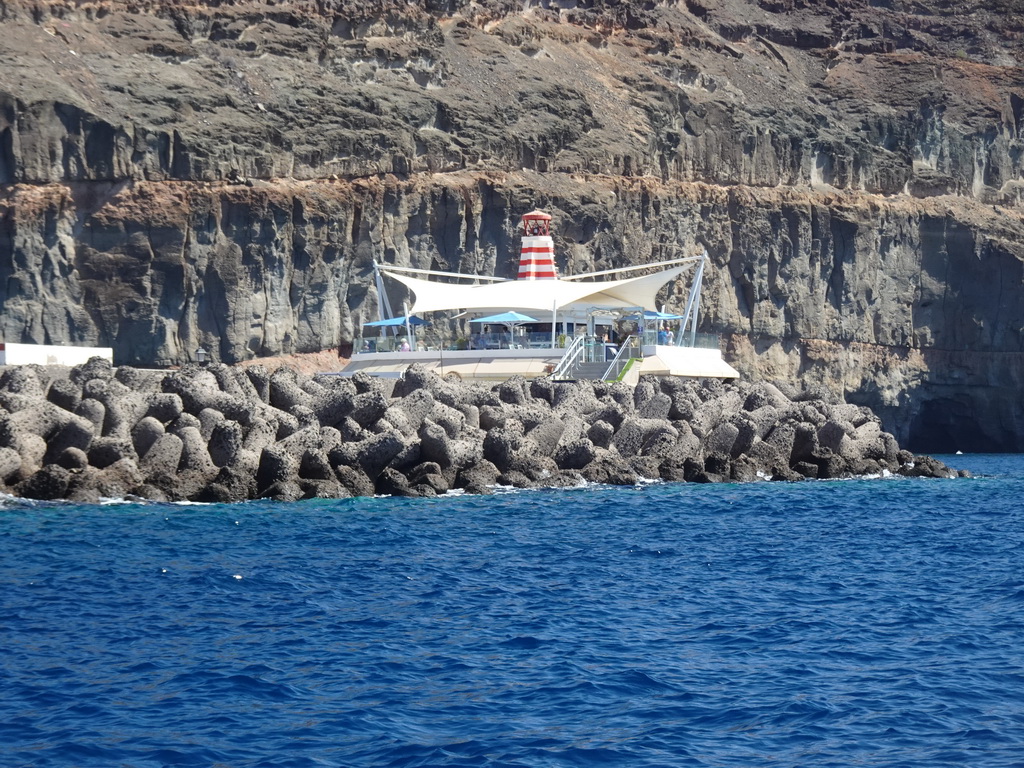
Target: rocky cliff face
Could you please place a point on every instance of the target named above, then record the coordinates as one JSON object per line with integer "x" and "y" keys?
{"x": 175, "y": 175}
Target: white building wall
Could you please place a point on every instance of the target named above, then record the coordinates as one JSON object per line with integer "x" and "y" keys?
{"x": 43, "y": 354}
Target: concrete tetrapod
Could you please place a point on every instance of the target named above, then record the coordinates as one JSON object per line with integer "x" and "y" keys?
{"x": 224, "y": 434}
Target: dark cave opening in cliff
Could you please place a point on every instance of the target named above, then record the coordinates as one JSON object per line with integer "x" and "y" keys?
{"x": 946, "y": 425}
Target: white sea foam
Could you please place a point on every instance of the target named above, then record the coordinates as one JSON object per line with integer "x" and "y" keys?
{"x": 504, "y": 489}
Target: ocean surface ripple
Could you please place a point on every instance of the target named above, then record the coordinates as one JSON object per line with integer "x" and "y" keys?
{"x": 844, "y": 623}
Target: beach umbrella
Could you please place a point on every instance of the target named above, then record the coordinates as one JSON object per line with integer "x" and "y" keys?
{"x": 509, "y": 319}
{"x": 396, "y": 321}
{"x": 506, "y": 318}
{"x": 409, "y": 322}
{"x": 652, "y": 315}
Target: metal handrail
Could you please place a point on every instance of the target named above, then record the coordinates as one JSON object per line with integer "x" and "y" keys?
{"x": 624, "y": 348}
{"x": 569, "y": 358}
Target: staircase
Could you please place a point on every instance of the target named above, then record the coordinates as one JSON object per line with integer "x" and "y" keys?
{"x": 576, "y": 365}
{"x": 585, "y": 371}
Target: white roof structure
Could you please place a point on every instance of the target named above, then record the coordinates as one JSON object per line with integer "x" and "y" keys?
{"x": 540, "y": 295}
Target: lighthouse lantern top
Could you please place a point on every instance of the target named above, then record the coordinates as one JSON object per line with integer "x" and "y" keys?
{"x": 536, "y": 223}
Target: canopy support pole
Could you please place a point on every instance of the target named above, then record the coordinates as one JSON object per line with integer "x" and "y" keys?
{"x": 693, "y": 300}
{"x": 384, "y": 311}
{"x": 554, "y": 319}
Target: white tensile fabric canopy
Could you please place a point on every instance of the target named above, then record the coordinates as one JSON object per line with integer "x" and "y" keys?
{"x": 537, "y": 295}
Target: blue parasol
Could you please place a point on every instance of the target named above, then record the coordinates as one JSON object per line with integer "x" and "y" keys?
{"x": 396, "y": 321}
{"x": 652, "y": 315}
{"x": 508, "y": 318}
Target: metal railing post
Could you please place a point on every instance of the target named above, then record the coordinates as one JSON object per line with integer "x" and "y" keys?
{"x": 617, "y": 359}
{"x": 569, "y": 357}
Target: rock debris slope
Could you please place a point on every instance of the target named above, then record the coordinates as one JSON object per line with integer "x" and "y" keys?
{"x": 181, "y": 174}
{"x": 229, "y": 434}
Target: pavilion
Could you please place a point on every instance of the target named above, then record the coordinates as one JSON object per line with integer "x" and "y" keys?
{"x": 577, "y": 302}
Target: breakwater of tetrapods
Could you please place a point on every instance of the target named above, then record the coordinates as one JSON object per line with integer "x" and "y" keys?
{"x": 222, "y": 434}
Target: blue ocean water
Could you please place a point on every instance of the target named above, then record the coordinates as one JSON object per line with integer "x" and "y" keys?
{"x": 848, "y": 623}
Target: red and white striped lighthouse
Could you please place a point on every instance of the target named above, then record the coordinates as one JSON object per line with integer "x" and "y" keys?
{"x": 537, "y": 257}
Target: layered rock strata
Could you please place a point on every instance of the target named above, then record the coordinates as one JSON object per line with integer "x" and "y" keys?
{"x": 224, "y": 434}
{"x": 185, "y": 174}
